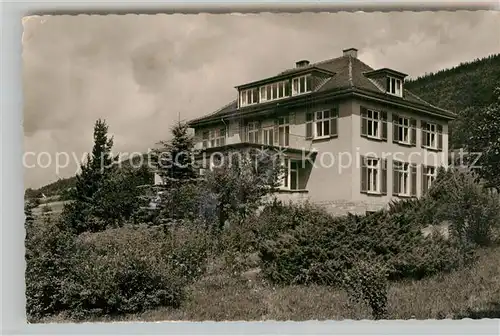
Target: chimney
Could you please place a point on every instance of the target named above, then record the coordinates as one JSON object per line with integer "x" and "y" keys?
{"x": 301, "y": 63}
{"x": 353, "y": 52}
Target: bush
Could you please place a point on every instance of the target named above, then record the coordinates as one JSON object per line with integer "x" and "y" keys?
{"x": 314, "y": 247}
{"x": 47, "y": 252}
{"x": 129, "y": 270}
{"x": 367, "y": 283}
{"x": 457, "y": 197}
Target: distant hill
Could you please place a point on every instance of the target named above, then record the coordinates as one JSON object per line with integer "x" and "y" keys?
{"x": 61, "y": 187}
{"x": 469, "y": 84}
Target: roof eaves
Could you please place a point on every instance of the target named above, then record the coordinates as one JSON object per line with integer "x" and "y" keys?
{"x": 384, "y": 70}
{"x": 423, "y": 107}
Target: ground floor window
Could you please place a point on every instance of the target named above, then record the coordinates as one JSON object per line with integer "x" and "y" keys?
{"x": 428, "y": 177}
{"x": 291, "y": 174}
{"x": 404, "y": 179}
{"x": 373, "y": 175}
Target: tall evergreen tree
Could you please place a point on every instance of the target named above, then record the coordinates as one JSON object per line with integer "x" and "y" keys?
{"x": 94, "y": 171}
{"x": 174, "y": 159}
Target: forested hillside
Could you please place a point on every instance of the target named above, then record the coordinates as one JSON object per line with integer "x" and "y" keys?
{"x": 467, "y": 85}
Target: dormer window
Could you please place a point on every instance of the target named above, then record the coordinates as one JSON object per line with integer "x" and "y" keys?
{"x": 275, "y": 91}
{"x": 395, "y": 86}
{"x": 302, "y": 84}
{"x": 249, "y": 97}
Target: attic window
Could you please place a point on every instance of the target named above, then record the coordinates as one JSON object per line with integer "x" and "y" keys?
{"x": 302, "y": 84}
{"x": 275, "y": 91}
{"x": 395, "y": 86}
{"x": 249, "y": 97}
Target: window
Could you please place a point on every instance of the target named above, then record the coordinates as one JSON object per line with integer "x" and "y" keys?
{"x": 267, "y": 136}
{"x": 373, "y": 175}
{"x": 373, "y": 124}
{"x": 404, "y": 179}
{"x": 275, "y": 91}
{"x": 253, "y": 132}
{"x": 214, "y": 138}
{"x": 432, "y": 135}
{"x": 283, "y": 130}
{"x": 249, "y": 97}
{"x": 404, "y": 130}
{"x": 428, "y": 176}
{"x": 395, "y": 86}
{"x": 205, "y": 137}
{"x": 290, "y": 179}
{"x": 301, "y": 85}
{"x": 321, "y": 124}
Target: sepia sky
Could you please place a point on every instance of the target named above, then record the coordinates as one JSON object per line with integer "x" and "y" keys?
{"x": 141, "y": 72}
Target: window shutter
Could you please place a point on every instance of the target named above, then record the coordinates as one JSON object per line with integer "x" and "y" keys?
{"x": 424, "y": 180}
{"x": 440, "y": 136}
{"x": 333, "y": 121}
{"x": 413, "y": 130}
{"x": 384, "y": 177}
{"x": 364, "y": 122}
{"x": 395, "y": 127}
{"x": 384, "y": 124}
{"x": 364, "y": 173}
{"x": 395, "y": 178}
{"x": 423, "y": 125}
{"x": 413, "y": 171}
{"x": 309, "y": 125}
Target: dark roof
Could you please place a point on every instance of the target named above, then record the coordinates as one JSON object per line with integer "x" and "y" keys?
{"x": 347, "y": 73}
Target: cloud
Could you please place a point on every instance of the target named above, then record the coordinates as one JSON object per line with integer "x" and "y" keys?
{"x": 141, "y": 72}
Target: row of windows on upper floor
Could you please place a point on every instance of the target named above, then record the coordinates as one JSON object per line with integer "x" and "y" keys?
{"x": 275, "y": 91}
{"x": 323, "y": 124}
{"x": 297, "y": 86}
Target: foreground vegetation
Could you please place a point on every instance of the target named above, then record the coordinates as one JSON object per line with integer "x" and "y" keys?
{"x": 472, "y": 292}
{"x": 218, "y": 247}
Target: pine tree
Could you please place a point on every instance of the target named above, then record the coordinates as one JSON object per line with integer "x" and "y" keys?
{"x": 94, "y": 172}
{"x": 174, "y": 163}
{"x": 174, "y": 159}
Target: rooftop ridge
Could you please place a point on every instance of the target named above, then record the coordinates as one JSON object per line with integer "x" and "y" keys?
{"x": 350, "y": 71}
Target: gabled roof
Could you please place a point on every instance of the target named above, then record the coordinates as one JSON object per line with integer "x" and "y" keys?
{"x": 348, "y": 74}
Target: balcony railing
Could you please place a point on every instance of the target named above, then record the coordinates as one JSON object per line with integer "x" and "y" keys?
{"x": 292, "y": 141}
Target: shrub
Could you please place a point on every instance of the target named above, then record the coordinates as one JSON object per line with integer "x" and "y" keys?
{"x": 129, "y": 270}
{"x": 314, "y": 247}
{"x": 47, "y": 252}
{"x": 367, "y": 283}
{"x": 457, "y": 197}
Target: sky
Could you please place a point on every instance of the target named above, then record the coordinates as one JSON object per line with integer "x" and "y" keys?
{"x": 141, "y": 72}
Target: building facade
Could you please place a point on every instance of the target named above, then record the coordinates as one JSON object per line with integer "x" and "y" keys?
{"x": 353, "y": 138}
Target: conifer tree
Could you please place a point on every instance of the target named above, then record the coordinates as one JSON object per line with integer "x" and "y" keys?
{"x": 174, "y": 159}
{"x": 94, "y": 172}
